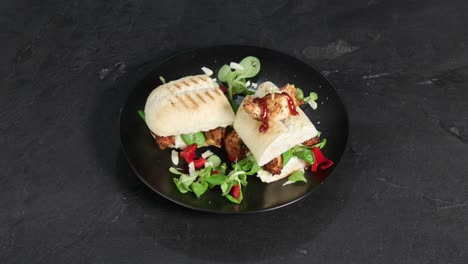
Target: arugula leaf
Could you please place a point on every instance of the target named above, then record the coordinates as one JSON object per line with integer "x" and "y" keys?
{"x": 199, "y": 188}
{"x": 251, "y": 67}
{"x": 297, "y": 176}
{"x": 286, "y": 156}
{"x": 142, "y": 114}
{"x": 216, "y": 179}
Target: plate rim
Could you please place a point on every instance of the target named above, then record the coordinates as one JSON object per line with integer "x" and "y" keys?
{"x": 205, "y": 210}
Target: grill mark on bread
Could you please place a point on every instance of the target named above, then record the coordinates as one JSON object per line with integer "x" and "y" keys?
{"x": 194, "y": 80}
{"x": 182, "y": 101}
{"x": 217, "y": 92}
{"x": 209, "y": 95}
{"x": 201, "y": 98}
{"x": 176, "y": 85}
{"x": 186, "y": 83}
{"x": 191, "y": 100}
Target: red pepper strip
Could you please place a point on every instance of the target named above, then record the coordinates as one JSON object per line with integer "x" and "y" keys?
{"x": 189, "y": 153}
{"x": 235, "y": 191}
{"x": 214, "y": 172}
{"x": 223, "y": 88}
{"x": 198, "y": 163}
{"x": 320, "y": 162}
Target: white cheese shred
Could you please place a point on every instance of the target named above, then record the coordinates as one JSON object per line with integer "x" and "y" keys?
{"x": 175, "y": 157}
{"x": 207, "y": 71}
{"x": 206, "y": 154}
{"x": 247, "y": 84}
{"x": 236, "y": 66}
{"x": 191, "y": 169}
{"x": 312, "y": 104}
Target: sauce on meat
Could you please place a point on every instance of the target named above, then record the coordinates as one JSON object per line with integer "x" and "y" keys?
{"x": 264, "y": 110}
{"x": 263, "y": 114}
{"x": 292, "y": 108}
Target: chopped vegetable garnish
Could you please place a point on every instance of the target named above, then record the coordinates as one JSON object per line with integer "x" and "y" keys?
{"x": 321, "y": 162}
{"x": 142, "y": 114}
{"x": 235, "y": 76}
{"x": 175, "y": 157}
{"x": 195, "y": 138}
{"x": 297, "y": 176}
{"x": 189, "y": 153}
{"x": 207, "y": 71}
{"x": 286, "y": 156}
{"x": 162, "y": 79}
{"x": 305, "y": 155}
{"x": 198, "y": 163}
{"x": 300, "y": 93}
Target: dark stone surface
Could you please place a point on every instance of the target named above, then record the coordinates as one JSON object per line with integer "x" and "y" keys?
{"x": 399, "y": 195}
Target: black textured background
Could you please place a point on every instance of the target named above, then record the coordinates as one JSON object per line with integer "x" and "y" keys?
{"x": 399, "y": 195}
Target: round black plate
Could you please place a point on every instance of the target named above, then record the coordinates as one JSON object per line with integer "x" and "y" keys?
{"x": 152, "y": 164}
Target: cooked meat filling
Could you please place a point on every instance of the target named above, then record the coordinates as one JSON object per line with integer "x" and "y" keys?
{"x": 234, "y": 146}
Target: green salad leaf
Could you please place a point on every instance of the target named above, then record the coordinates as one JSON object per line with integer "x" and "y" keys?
{"x": 297, "y": 176}
{"x": 286, "y": 156}
{"x": 199, "y": 188}
{"x": 142, "y": 114}
{"x": 195, "y": 138}
{"x": 251, "y": 67}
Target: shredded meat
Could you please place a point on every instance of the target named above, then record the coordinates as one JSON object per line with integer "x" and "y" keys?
{"x": 275, "y": 166}
{"x": 164, "y": 142}
{"x": 311, "y": 142}
{"x": 277, "y": 104}
{"x": 215, "y": 137}
{"x": 234, "y": 146}
{"x": 291, "y": 90}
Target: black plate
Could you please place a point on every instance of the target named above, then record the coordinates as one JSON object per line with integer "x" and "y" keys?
{"x": 152, "y": 164}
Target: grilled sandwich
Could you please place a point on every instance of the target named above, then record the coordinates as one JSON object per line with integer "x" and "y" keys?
{"x": 186, "y": 106}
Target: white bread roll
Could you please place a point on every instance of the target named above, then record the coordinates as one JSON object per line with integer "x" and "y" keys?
{"x": 280, "y": 136}
{"x": 188, "y": 105}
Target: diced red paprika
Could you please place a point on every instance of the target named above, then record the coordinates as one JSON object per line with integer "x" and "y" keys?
{"x": 214, "y": 172}
{"x": 198, "y": 163}
{"x": 189, "y": 153}
{"x": 235, "y": 191}
{"x": 320, "y": 162}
